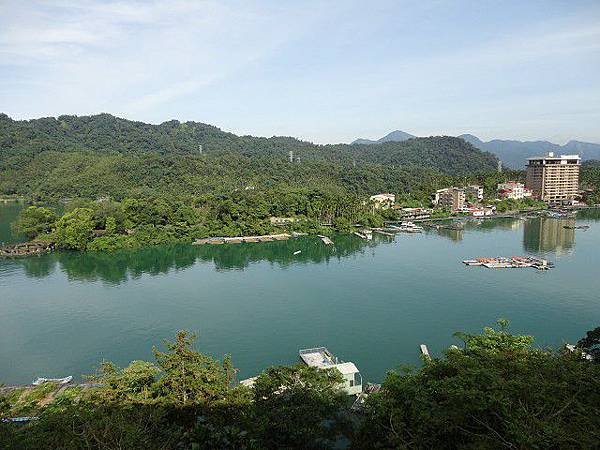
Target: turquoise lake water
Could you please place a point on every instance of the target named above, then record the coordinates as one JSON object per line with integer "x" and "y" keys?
{"x": 372, "y": 303}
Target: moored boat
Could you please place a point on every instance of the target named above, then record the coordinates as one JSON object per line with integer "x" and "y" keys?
{"x": 41, "y": 380}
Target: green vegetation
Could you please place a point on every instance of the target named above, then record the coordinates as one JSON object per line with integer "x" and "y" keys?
{"x": 107, "y": 225}
{"x": 129, "y": 184}
{"x": 510, "y": 204}
{"x": 103, "y": 156}
{"x": 34, "y": 221}
{"x": 590, "y": 181}
{"x": 496, "y": 390}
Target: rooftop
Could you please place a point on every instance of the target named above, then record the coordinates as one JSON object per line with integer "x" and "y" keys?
{"x": 551, "y": 155}
{"x": 318, "y": 357}
{"x": 346, "y": 368}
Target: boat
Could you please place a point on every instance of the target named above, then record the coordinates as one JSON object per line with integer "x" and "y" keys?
{"x": 407, "y": 227}
{"x": 297, "y": 252}
{"x": 578, "y": 227}
{"x": 22, "y": 419}
{"x": 321, "y": 358}
{"x": 64, "y": 380}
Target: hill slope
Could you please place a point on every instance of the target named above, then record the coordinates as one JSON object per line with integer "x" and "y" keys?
{"x": 103, "y": 154}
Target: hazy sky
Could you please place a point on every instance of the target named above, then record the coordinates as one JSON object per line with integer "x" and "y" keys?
{"x": 324, "y": 71}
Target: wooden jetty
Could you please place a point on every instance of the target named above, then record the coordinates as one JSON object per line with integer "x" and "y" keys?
{"x": 364, "y": 234}
{"x": 26, "y": 249}
{"x": 383, "y": 231}
{"x": 326, "y": 240}
{"x": 241, "y": 239}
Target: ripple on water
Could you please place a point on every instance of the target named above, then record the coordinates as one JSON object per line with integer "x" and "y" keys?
{"x": 8, "y": 268}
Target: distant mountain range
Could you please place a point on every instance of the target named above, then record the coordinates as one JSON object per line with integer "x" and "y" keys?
{"x": 512, "y": 153}
{"x": 394, "y": 136}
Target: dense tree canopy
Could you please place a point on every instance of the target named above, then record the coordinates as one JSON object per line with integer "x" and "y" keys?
{"x": 496, "y": 391}
{"x": 103, "y": 155}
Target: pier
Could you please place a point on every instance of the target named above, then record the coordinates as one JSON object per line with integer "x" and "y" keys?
{"x": 241, "y": 239}
{"x": 26, "y": 249}
{"x": 326, "y": 240}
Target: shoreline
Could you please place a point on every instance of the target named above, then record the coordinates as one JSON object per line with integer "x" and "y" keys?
{"x": 34, "y": 248}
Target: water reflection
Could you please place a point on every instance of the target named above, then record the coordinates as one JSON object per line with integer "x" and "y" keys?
{"x": 455, "y": 230}
{"x": 9, "y": 212}
{"x": 540, "y": 235}
{"x": 544, "y": 235}
{"x": 118, "y": 267}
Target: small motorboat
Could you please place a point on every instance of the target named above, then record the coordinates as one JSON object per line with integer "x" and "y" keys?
{"x": 297, "y": 252}
{"x": 64, "y": 380}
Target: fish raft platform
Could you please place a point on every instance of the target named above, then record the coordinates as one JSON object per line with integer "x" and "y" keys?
{"x": 513, "y": 262}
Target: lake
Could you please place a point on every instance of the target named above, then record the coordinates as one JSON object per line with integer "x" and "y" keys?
{"x": 372, "y": 303}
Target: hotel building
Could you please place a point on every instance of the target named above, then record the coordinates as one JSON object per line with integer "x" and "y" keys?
{"x": 553, "y": 179}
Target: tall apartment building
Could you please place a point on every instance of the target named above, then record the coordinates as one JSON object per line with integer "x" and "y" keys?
{"x": 553, "y": 179}
{"x": 452, "y": 198}
{"x": 474, "y": 190}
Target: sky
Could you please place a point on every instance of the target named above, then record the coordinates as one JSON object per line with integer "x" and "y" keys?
{"x": 323, "y": 71}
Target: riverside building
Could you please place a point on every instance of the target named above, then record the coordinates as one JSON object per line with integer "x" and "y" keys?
{"x": 553, "y": 179}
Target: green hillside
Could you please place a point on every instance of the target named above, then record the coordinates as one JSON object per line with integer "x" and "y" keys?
{"x": 104, "y": 155}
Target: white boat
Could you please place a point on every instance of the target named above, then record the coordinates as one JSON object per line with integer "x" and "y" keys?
{"x": 321, "y": 358}
{"x": 410, "y": 225}
{"x": 19, "y": 419}
{"x": 297, "y": 252}
{"x": 64, "y": 380}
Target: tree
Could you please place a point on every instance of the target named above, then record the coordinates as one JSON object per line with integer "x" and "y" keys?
{"x": 34, "y": 221}
{"x": 190, "y": 377}
{"x": 75, "y": 229}
{"x": 297, "y": 406}
{"x": 495, "y": 392}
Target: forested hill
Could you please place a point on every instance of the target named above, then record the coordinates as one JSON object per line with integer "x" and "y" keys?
{"x": 104, "y": 133}
{"x": 102, "y": 155}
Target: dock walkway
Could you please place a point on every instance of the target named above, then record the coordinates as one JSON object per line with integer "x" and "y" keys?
{"x": 240, "y": 239}
{"x": 326, "y": 240}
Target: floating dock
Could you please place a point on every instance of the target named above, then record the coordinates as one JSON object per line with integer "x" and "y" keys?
{"x": 241, "y": 239}
{"x": 364, "y": 234}
{"x": 513, "y": 262}
{"x": 383, "y": 231}
{"x": 326, "y": 240}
